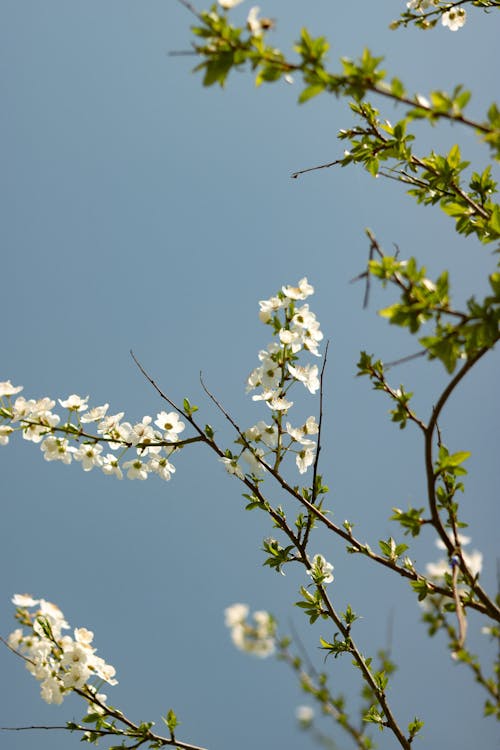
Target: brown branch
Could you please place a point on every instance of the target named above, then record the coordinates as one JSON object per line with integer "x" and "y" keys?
{"x": 104, "y": 732}
{"x": 490, "y": 607}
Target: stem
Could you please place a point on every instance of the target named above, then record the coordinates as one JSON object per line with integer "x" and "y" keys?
{"x": 489, "y": 606}
{"x": 103, "y": 732}
{"x": 365, "y": 670}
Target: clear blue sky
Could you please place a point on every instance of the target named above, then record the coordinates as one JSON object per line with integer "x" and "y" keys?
{"x": 141, "y": 211}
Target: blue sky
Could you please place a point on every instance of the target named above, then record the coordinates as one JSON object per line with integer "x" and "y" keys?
{"x": 141, "y": 211}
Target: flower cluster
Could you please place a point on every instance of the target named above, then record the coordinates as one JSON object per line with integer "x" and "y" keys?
{"x": 296, "y": 330}
{"x": 320, "y": 571}
{"x": 473, "y": 560}
{"x": 61, "y": 663}
{"x": 454, "y": 18}
{"x": 256, "y": 638}
{"x": 152, "y": 444}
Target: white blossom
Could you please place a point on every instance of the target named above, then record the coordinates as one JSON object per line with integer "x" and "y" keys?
{"x": 268, "y": 307}
{"x": 255, "y": 637}
{"x": 227, "y": 4}
{"x": 304, "y": 459}
{"x": 279, "y": 403}
{"x": 7, "y": 389}
{"x": 170, "y": 424}
{"x": 304, "y": 714}
{"x": 5, "y": 432}
{"x": 301, "y": 291}
{"x": 255, "y": 24}
{"x": 136, "y": 469}
{"x": 320, "y": 571}
{"x": 74, "y": 403}
{"x": 111, "y": 466}
{"x": 160, "y": 465}
{"x": 24, "y": 600}
{"x": 232, "y": 467}
{"x": 94, "y": 415}
{"x": 307, "y": 375}
{"x": 254, "y": 464}
{"x": 235, "y": 614}
{"x": 60, "y": 663}
{"x": 454, "y": 19}
{"x": 57, "y": 449}
{"x": 473, "y": 560}
{"x": 89, "y": 455}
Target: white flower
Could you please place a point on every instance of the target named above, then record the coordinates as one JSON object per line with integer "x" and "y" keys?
{"x": 35, "y": 431}
{"x": 297, "y": 433}
{"x": 421, "y": 5}
{"x": 89, "y": 455}
{"x": 74, "y": 403}
{"x": 266, "y": 395}
{"x": 161, "y": 466}
{"x": 270, "y": 375}
{"x": 422, "y": 101}
{"x": 110, "y": 423}
{"x": 82, "y": 635}
{"x": 307, "y": 375}
{"x": 57, "y": 449}
{"x": 461, "y": 538}
{"x": 55, "y": 617}
{"x": 171, "y": 424}
{"x": 262, "y": 431}
{"x": 251, "y": 458}
{"x": 268, "y": 307}
{"x": 279, "y": 403}
{"x": 473, "y": 560}
{"x": 304, "y": 459}
{"x": 24, "y": 600}
{"x": 105, "y": 671}
{"x": 95, "y": 708}
{"x": 110, "y": 466}
{"x": 304, "y": 714}
{"x": 301, "y": 291}
{"x": 136, "y": 469}
{"x": 255, "y": 24}
{"x": 95, "y": 414}
{"x": 232, "y": 467}
{"x": 304, "y": 318}
{"x": 52, "y": 691}
{"x": 227, "y": 4}
{"x": 257, "y": 638}
{"x": 7, "y": 389}
{"x": 454, "y": 19}
{"x": 310, "y": 427}
{"x": 142, "y": 432}
{"x": 5, "y": 432}
{"x": 235, "y": 614}
{"x": 321, "y": 570}
{"x": 291, "y": 338}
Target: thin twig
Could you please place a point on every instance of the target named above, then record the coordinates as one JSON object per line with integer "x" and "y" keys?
{"x": 318, "y": 448}
{"x": 461, "y": 618}
{"x": 314, "y": 169}
{"x": 103, "y": 732}
{"x": 402, "y": 360}
{"x": 14, "y": 651}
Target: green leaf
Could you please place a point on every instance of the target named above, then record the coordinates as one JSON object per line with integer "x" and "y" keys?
{"x": 310, "y": 92}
